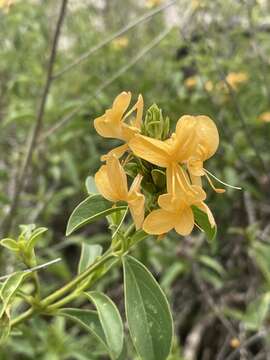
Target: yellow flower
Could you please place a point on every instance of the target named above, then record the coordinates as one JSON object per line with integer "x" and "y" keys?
{"x": 234, "y": 79}
{"x": 6, "y": 4}
{"x": 112, "y": 123}
{"x": 176, "y": 212}
{"x": 191, "y": 82}
{"x": 209, "y": 86}
{"x": 265, "y": 116}
{"x": 196, "y": 139}
{"x": 152, "y": 3}
{"x": 111, "y": 181}
{"x": 120, "y": 43}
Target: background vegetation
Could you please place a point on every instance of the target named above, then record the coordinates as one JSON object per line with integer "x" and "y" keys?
{"x": 189, "y": 57}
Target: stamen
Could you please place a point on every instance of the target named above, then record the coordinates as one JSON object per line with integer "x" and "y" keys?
{"x": 189, "y": 186}
{"x": 222, "y": 182}
{"x": 198, "y": 227}
{"x": 220, "y": 191}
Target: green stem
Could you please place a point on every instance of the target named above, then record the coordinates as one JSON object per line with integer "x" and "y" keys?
{"x": 62, "y": 291}
{"x": 77, "y": 292}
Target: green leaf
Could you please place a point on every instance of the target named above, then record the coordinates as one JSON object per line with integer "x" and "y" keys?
{"x": 10, "y": 244}
{"x": 201, "y": 219}
{"x": 9, "y": 289}
{"x": 148, "y": 314}
{"x": 91, "y": 185}
{"x": 4, "y": 327}
{"x": 89, "y": 320}
{"x": 110, "y": 320}
{"x": 91, "y": 209}
{"x": 212, "y": 264}
{"x": 34, "y": 238}
{"x": 138, "y": 236}
{"x": 89, "y": 254}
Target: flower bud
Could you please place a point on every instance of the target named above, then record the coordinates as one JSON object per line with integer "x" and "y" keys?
{"x": 155, "y": 125}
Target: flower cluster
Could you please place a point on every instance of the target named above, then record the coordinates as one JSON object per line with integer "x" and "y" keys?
{"x": 167, "y": 171}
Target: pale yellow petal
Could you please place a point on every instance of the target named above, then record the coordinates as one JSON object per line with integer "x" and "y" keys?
{"x": 117, "y": 178}
{"x": 136, "y": 206}
{"x": 155, "y": 151}
{"x": 185, "y": 144}
{"x": 159, "y": 222}
{"x": 185, "y": 222}
{"x": 169, "y": 202}
{"x": 118, "y": 152}
{"x": 195, "y": 167}
{"x": 196, "y": 180}
{"x": 128, "y": 132}
{"x": 106, "y": 127}
{"x": 121, "y": 104}
{"x": 139, "y": 106}
{"x": 103, "y": 184}
{"x": 208, "y": 137}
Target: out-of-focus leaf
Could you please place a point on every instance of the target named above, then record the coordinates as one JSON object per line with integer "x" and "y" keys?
{"x": 172, "y": 273}
{"x": 212, "y": 264}
{"x": 10, "y": 244}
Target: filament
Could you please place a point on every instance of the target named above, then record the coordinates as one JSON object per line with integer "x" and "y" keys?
{"x": 222, "y": 182}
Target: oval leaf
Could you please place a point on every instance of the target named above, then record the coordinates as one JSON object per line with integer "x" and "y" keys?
{"x": 148, "y": 314}
{"x": 34, "y": 238}
{"x": 89, "y": 320}
{"x": 110, "y": 320}
{"x": 9, "y": 289}
{"x": 89, "y": 254}
{"x": 10, "y": 244}
{"x": 89, "y": 210}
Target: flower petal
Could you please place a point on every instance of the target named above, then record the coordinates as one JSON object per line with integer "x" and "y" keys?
{"x": 121, "y": 104}
{"x": 155, "y": 151}
{"x": 117, "y": 178}
{"x": 105, "y": 126}
{"x": 159, "y": 222}
{"x": 208, "y": 137}
{"x": 117, "y": 151}
{"x": 139, "y": 106}
{"x": 169, "y": 202}
{"x": 185, "y": 222}
{"x": 136, "y": 207}
{"x": 103, "y": 184}
{"x": 185, "y": 143}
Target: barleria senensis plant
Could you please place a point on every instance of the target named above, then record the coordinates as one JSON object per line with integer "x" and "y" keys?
{"x": 156, "y": 177}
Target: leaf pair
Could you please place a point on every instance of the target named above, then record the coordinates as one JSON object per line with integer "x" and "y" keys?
{"x": 105, "y": 323}
{"x": 147, "y": 312}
